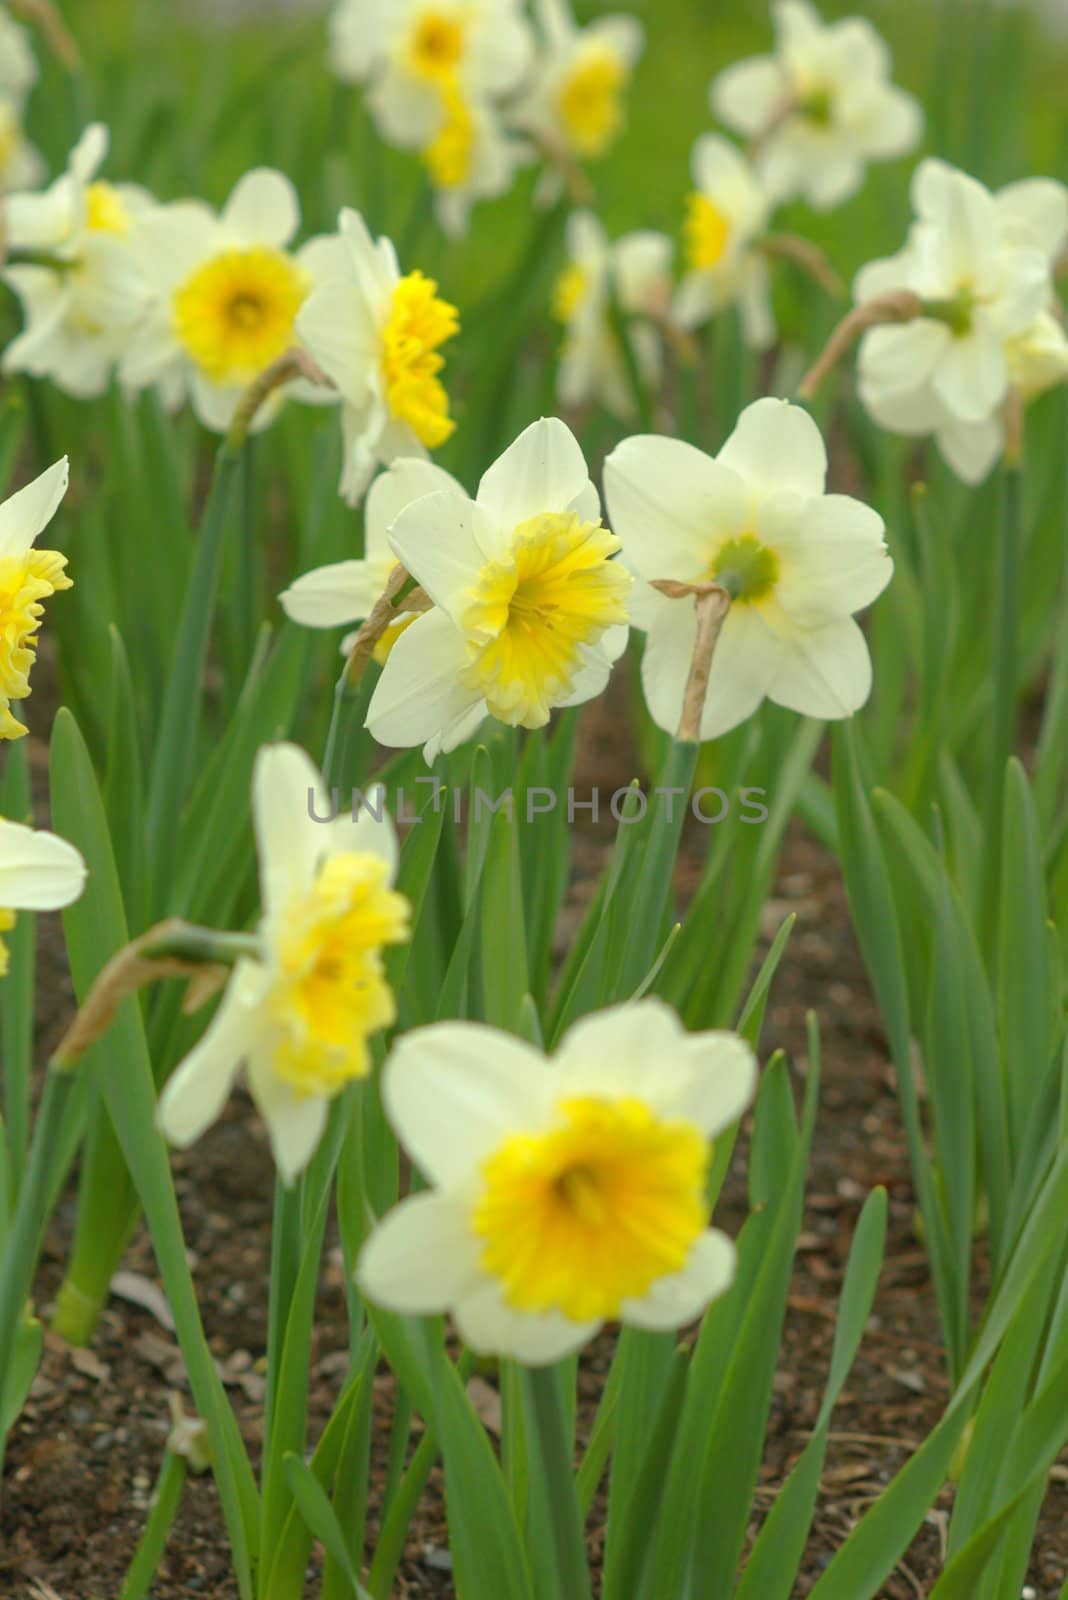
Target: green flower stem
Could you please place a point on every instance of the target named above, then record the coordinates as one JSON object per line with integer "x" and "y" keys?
{"x": 394, "y": 1533}
{"x": 552, "y": 1473}
{"x": 652, "y": 892}
{"x": 640, "y": 391}
{"x": 153, "y": 1541}
{"x": 1006, "y": 676}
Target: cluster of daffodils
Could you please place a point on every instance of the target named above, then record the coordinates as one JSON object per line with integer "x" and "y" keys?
{"x": 565, "y": 1193}
{"x": 526, "y": 598}
{"x": 200, "y": 305}
{"x": 478, "y": 90}
{"x": 38, "y": 871}
{"x": 21, "y": 165}
{"x": 984, "y": 328}
{"x": 814, "y": 113}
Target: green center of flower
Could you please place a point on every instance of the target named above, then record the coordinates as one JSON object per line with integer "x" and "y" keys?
{"x": 747, "y": 569}
{"x": 955, "y": 311}
{"x": 816, "y": 105}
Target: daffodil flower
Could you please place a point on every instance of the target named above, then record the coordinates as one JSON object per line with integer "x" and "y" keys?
{"x": 28, "y": 577}
{"x": 83, "y": 297}
{"x": 18, "y": 65}
{"x": 346, "y": 591}
{"x": 409, "y": 50}
{"x": 726, "y": 215}
{"x": 469, "y": 156}
{"x": 820, "y": 108}
{"x": 981, "y": 266}
{"x": 634, "y": 272}
{"x": 38, "y": 872}
{"x": 529, "y": 609}
{"x": 378, "y": 335}
{"x": 22, "y": 166}
{"x": 573, "y": 103}
{"x": 226, "y": 290}
{"x": 565, "y": 1192}
{"x": 796, "y": 562}
{"x": 300, "y": 1014}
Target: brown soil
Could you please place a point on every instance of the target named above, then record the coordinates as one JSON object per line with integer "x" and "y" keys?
{"x": 84, "y": 1455}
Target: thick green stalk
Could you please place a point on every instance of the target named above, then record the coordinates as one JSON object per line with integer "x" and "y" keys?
{"x": 553, "y": 1475}
{"x": 157, "y": 1530}
{"x": 106, "y": 1216}
{"x": 1006, "y": 675}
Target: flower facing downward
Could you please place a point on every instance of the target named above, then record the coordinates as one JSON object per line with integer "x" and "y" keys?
{"x": 378, "y": 336}
{"x": 529, "y": 609}
{"x": 28, "y": 577}
{"x": 38, "y": 872}
{"x": 300, "y": 1013}
{"x": 820, "y": 108}
{"x": 566, "y": 1192}
{"x": 795, "y": 561}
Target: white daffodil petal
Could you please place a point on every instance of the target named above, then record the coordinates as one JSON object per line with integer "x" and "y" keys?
{"x": 673, "y": 1301}
{"x": 263, "y": 208}
{"x": 287, "y": 794}
{"x": 831, "y": 553}
{"x": 38, "y": 871}
{"x": 453, "y": 1091}
{"x": 28, "y": 512}
{"x": 295, "y": 1122}
{"x": 443, "y": 540}
{"x": 776, "y": 445}
{"x": 544, "y": 470}
{"x": 670, "y": 505}
{"x": 642, "y": 1050}
{"x": 421, "y": 1258}
{"x": 199, "y": 1087}
{"x": 332, "y": 596}
{"x": 824, "y": 672}
{"x": 489, "y": 1326}
{"x": 420, "y": 692}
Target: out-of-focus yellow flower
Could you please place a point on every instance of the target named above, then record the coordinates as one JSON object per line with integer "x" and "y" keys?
{"x": 565, "y": 1193}
{"x": 726, "y": 215}
{"x": 85, "y": 293}
{"x": 573, "y": 105}
{"x": 225, "y": 292}
{"x": 299, "y": 1015}
{"x": 633, "y": 274}
{"x": 28, "y": 577}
